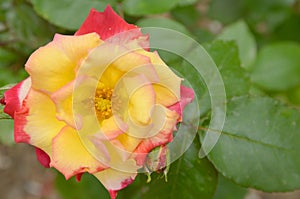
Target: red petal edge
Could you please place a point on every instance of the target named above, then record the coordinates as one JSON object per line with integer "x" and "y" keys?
{"x": 78, "y": 177}
{"x": 142, "y": 150}
{"x": 105, "y": 24}
{"x": 42, "y": 157}
{"x": 13, "y": 98}
{"x": 164, "y": 137}
{"x": 20, "y": 121}
{"x": 187, "y": 95}
{"x": 113, "y": 193}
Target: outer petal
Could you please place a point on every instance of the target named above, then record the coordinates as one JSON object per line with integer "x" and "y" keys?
{"x": 187, "y": 96}
{"x": 42, "y": 157}
{"x": 58, "y": 60}
{"x": 106, "y": 23}
{"x": 14, "y": 97}
{"x": 114, "y": 180}
{"x": 70, "y": 156}
{"x": 37, "y": 121}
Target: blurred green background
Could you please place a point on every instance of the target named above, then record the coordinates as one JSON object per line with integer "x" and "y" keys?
{"x": 265, "y": 32}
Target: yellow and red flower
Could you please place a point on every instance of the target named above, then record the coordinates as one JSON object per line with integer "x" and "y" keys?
{"x": 104, "y": 73}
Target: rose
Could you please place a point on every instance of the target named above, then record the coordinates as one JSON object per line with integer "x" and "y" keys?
{"x": 98, "y": 102}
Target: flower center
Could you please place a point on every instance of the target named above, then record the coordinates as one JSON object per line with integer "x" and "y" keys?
{"x": 103, "y": 105}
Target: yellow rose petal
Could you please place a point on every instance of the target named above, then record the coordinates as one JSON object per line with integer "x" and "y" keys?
{"x": 70, "y": 156}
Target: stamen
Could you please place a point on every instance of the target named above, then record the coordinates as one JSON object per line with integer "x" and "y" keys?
{"x": 103, "y": 104}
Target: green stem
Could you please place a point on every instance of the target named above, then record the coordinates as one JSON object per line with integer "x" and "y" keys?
{"x": 4, "y": 116}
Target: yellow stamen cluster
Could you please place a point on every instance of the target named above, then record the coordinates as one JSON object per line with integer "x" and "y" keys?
{"x": 103, "y": 102}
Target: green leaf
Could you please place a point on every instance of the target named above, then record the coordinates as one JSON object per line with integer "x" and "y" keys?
{"x": 229, "y": 190}
{"x": 4, "y": 116}
{"x": 270, "y": 13}
{"x": 235, "y": 78}
{"x": 240, "y": 33}
{"x": 225, "y": 54}
{"x": 4, "y": 6}
{"x": 289, "y": 30}
{"x": 8, "y": 76}
{"x": 294, "y": 95}
{"x": 88, "y": 187}
{"x": 8, "y": 66}
{"x": 10, "y": 63}
{"x": 7, "y": 130}
{"x": 29, "y": 29}
{"x": 202, "y": 35}
{"x": 68, "y": 14}
{"x": 278, "y": 66}
{"x": 189, "y": 177}
{"x": 6, "y": 57}
{"x": 257, "y": 12}
{"x": 226, "y": 11}
{"x": 163, "y": 23}
{"x": 6, "y": 124}
{"x": 187, "y": 15}
{"x": 186, "y": 2}
{"x": 259, "y": 145}
{"x": 146, "y": 7}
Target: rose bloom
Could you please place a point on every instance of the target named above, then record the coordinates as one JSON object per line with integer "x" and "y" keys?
{"x": 97, "y": 102}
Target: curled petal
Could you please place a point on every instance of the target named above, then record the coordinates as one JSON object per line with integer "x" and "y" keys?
{"x": 167, "y": 89}
{"x": 14, "y": 97}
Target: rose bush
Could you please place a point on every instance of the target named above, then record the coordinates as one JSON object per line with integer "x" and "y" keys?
{"x": 97, "y": 102}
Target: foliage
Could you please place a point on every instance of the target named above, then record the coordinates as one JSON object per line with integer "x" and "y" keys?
{"x": 255, "y": 45}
